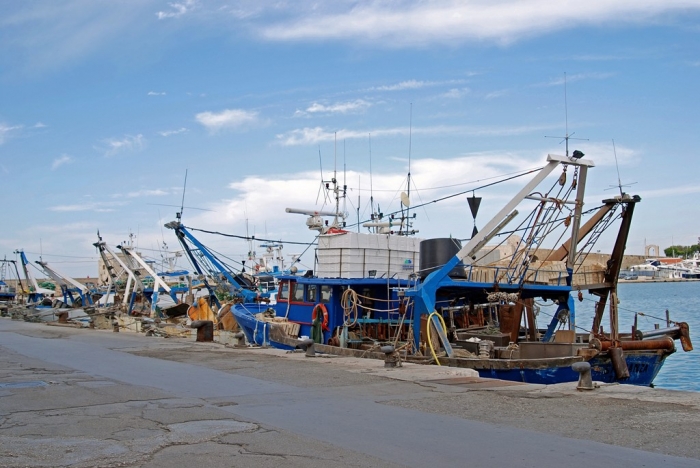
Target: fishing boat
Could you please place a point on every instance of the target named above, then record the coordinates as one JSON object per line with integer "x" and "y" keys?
{"x": 7, "y": 293}
{"x": 436, "y": 301}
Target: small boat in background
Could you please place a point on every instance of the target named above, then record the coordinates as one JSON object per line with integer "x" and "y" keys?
{"x": 7, "y": 293}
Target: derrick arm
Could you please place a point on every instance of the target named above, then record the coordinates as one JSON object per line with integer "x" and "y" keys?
{"x": 68, "y": 284}
{"x": 158, "y": 284}
{"x": 27, "y": 273}
{"x": 424, "y": 295}
{"x": 19, "y": 280}
{"x": 133, "y": 283}
{"x": 181, "y": 238}
{"x": 183, "y": 233}
{"x": 614, "y": 265}
{"x": 563, "y": 252}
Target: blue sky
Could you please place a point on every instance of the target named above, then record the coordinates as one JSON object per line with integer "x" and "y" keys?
{"x": 105, "y": 105}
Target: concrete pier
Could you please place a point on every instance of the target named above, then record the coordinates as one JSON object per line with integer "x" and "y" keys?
{"x": 83, "y": 398}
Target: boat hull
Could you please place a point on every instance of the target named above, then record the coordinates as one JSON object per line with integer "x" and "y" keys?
{"x": 260, "y": 332}
{"x": 643, "y": 365}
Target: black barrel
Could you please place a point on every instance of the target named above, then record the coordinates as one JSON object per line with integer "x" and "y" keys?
{"x": 434, "y": 253}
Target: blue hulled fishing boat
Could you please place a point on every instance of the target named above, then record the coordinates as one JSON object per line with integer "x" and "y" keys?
{"x": 475, "y": 306}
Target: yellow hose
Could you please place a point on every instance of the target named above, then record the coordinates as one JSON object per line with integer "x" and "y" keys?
{"x": 430, "y": 341}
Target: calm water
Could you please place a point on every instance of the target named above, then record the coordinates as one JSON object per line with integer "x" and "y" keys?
{"x": 681, "y": 371}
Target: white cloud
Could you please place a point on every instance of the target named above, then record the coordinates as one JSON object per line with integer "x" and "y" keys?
{"x": 308, "y": 136}
{"x": 455, "y": 93}
{"x": 496, "y": 94}
{"x": 168, "y": 133}
{"x": 603, "y": 154}
{"x": 127, "y": 143}
{"x": 177, "y": 9}
{"x": 416, "y": 23}
{"x": 432, "y": 179}
{"x": 104, "y": 207}
{"x": 6, "y": 130}
{"x": 410, "y": 84}
{"x": 228, "y": 118}
{"x": 314, "y": 135}
{"x": 147, "y": 193}
{"x": 156, "y": 93}
{"x": 358, "y": 105}
{"x": 60, "y": 161}
{"x": 39, "y": 125}
{"x": 669, "y": 192}
{"x": 577, "y": 77}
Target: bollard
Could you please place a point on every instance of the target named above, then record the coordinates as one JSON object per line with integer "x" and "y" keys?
{"x": 63, "y": 317}
{"x": 308, "y": 346}
{"x": 91, "y": 324}
{"x": 115, "y": 326}
{"x": 205, "y": 330}
{"x": 389, "y": 356}
{"x": 585, "y": 382}
{"x": 240, "y": 336}
{"x": 485, "y": 349}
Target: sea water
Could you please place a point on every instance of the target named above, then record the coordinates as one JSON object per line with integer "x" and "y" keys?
{"x": 681, "y": 370}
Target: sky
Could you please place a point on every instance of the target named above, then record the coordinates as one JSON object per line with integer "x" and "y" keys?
{"x": 106, "y": 108}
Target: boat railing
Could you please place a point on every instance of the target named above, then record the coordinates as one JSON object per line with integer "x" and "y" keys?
{"x": 506, "y": 275}
{"x": 588, "y": 275}
{"x": 546, "y": 275}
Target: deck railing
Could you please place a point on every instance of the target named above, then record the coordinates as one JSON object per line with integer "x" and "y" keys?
{"x": 549, "y": 275}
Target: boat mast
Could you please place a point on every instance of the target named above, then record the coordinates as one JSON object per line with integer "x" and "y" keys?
{"x": 614, "y": 265}
{"x": 408, "y": 179}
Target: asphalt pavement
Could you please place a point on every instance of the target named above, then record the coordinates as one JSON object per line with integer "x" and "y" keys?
{"x": 88, "y": 398}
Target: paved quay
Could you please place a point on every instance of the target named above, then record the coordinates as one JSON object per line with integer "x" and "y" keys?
{"x": 94, "y": 398}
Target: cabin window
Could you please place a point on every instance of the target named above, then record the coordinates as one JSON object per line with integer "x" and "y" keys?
{"x": 325, "y": 294}
{"x": 312, "y": 293}
{"x": 367, "y": 299}
{"x": 283, "y": 293}
{"x": 298, "y": 295}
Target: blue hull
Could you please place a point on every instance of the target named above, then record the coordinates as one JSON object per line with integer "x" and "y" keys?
{"x": 256, "y": 331}
{"x": 643, "y": 367}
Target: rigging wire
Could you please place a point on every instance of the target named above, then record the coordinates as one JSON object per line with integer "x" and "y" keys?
{"x": 245, "y": 237}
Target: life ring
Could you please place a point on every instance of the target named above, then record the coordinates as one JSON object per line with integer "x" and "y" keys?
{"x": 320, "y": 308}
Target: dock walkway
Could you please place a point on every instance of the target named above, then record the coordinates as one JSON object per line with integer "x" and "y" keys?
{"x": 83, "y": 398}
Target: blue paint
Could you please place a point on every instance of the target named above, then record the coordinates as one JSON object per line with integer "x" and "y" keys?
{"x": 643, "y": 367}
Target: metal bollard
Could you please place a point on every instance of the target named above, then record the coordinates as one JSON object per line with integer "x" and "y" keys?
{"x": 585, "y": 382}
{"x": 63, "y": 317}
{"x": 240, "y": 336}
{"x": 389, "y": 356}
{"x": 205, "y": 330}
{"x": 308, "y": 346}
{"x": 115, "y": 326}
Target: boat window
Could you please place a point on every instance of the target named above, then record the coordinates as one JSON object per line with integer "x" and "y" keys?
{"x": 325, "y": 294}
{"x": 298, "y": 295}
{"x": 312, "y": 293}
{"x": 367, "y": 297}
{"x": 283, "y": 293}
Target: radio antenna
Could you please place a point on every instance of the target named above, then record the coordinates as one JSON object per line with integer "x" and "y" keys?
{"x": 371, "y": 187}
{"x": 566, "y": 123}
{"x": 408, "y": 181}
{"x": 619, "y": 182}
